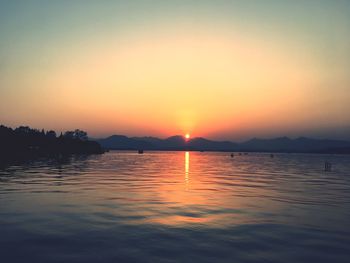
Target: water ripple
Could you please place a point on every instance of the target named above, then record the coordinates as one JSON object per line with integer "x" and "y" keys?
{"x": 176, "y": 207}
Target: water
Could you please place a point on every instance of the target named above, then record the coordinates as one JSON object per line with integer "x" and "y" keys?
{"x": 176, "y": 207}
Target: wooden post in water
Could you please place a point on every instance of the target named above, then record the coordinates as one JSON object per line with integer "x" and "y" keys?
{"x": 327, "y": 166}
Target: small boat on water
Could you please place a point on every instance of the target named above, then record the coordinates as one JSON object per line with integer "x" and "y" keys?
{"x": 140, "y": 151}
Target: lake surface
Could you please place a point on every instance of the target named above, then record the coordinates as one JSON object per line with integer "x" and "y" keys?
{"x": 176, "y": 207}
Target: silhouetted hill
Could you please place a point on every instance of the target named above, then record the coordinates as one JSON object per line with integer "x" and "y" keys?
{"x": 152, "y": 140}
{"x": 282, "y": 144}
{"x": 285, "y": 144}
{"x": 122, "y": 142}
{"x": 208, "y": 145}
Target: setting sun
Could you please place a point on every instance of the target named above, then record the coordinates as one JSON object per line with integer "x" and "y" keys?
{"x": 187, "y": 136}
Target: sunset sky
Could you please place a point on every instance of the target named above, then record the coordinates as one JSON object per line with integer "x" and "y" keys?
{"x": 216, "y": 69}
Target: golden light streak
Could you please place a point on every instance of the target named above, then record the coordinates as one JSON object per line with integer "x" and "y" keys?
{"x": 187, "y": 167}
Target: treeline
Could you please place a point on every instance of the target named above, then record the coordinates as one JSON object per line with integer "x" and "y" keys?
{"x": 24, "y": 142}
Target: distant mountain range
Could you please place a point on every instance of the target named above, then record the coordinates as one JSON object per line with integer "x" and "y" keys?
{"x": 177, "y": 143}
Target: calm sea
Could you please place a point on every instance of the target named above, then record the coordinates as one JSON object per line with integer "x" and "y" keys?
{"x": 176, "y": 207}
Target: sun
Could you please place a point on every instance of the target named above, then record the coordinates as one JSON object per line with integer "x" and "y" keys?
{"x": 187, "y": 136}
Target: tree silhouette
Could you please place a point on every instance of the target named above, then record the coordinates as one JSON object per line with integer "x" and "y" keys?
{"x": 24, "y": 142}
{"x": 80, "y": 135}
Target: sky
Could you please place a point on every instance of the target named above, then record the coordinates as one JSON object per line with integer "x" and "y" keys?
{"x": 229, "y": 70}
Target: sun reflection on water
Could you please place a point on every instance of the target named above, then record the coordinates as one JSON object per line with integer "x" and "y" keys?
{"x": 167, "y": 191}
{"x": 160, "y": 188}
{"x": 187, "y": 168}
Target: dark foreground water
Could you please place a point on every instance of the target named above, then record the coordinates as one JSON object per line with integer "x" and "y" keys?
{"x": 176, "y": 207}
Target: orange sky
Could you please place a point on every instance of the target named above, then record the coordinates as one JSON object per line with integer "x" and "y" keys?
{"x": 214, "y": 78}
